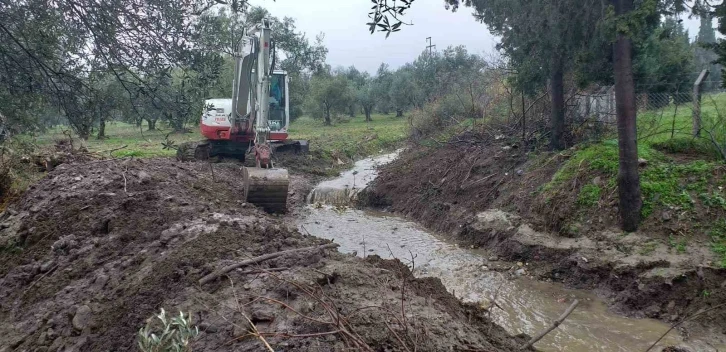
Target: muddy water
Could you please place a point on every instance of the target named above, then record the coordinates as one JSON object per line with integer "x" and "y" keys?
{"x": 528, "y": 305}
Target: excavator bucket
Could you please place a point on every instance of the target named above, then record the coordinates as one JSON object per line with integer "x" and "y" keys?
{"x": 266, "y": 188}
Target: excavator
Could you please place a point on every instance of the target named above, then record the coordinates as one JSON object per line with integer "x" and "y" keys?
{"x": 255, "y": 120}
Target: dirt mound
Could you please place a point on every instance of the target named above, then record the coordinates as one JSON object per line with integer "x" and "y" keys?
{"x": 536, "y": 208}
{"x": 95, "y": 249}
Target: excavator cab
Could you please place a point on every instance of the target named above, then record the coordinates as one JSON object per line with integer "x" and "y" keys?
{"x": 279, "y": 102}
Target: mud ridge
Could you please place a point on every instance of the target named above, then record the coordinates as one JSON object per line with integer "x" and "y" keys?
{"x": 94, "y": 249}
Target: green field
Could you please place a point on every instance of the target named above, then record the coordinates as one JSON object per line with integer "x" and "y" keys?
{"x": 675, "y": 122}
{"x": 345, "y": 140}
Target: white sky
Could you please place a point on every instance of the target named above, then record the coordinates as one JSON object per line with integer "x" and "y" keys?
{"x": 350, "y": 43}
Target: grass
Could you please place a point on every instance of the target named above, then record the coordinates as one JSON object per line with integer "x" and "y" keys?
{"x": 353, "y": 139}
{"x": 718, "y": 240}
{"x": 662, "y": 124}
{"x": 138, "y": 141}
{"x": 350, "y": 140}
{"x": 589, "y": 195}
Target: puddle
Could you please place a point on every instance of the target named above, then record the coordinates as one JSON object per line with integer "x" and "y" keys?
{"x": 528, "y": 306}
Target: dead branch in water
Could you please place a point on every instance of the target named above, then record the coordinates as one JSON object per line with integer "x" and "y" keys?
{"x": 554, "y": 325}
{"x": 259, "y": 259}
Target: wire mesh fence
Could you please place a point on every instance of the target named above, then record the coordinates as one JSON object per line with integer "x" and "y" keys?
{"x": 662, "y": 116}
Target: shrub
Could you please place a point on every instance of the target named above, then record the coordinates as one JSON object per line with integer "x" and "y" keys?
{"x": 174, "y": 336}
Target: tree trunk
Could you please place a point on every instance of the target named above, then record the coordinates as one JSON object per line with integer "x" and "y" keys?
{"x": 102, "y": 127}
{"x": 139, "y": 122}
{"x": 367, "y": 111}
{"x": 152, "y": 124}
{"x": 558, "y": 106}
{"x": 327, "y": 116}
{"x": 628, "y": 178}
{"x": 399, "y": 112}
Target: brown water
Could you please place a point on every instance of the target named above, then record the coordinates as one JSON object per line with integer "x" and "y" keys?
{"x": 528, "y": 305}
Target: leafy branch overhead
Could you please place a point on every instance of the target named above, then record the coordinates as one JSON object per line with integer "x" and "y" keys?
{"x": 382, "y": 10}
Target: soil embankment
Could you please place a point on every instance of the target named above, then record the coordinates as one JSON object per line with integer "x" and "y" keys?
{"x": 95, "y": 249}
{"x": 557, "y": 213}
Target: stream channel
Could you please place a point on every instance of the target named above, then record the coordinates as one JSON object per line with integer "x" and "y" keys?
{"x": 528, "y": 305}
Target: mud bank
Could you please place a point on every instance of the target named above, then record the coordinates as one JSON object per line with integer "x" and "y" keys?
{"x": 490, "y": 196}
{"x": 94, "y": 250}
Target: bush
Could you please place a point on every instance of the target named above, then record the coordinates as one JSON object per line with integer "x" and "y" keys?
{"x": 174, "y": 335}
{"x": 435, "y": 116}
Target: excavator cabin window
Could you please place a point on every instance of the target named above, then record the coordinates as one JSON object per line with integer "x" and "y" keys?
{"x": 277, "y": 101}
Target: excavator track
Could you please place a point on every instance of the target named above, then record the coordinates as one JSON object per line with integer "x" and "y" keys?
{"x": 266, "y": 188}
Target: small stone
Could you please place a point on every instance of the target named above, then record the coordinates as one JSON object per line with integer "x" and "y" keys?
{"x": 100, "y": 281}
{"x": 144, "y": 177}
{"x": 520, "y": 172}
{"x": 262, "y": 316}
{"x": 51, "y": 334}
{"x": 520, "y": 264}
{"x": 666, "y": 216}
{"x": 484, "y": 268}
{"x": 77, "y": 178}
{"x": 493, "y": 258}
{"x": 520, "y": 272}
{"x": 671, "y": 305}
{"x": 642, "y": 162}
{"x": 47, "y": 266}
{"x": 246, "y": 286}
{"x": 83, "y": 318}
{"x": 57, "y": 344}
{"x": 597, "y": 181}
{"x": 43, "y": 338}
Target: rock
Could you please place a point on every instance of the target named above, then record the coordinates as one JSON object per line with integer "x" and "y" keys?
{"x": 56, "y": 345}
{"x": 493, "y": 258}
{"x": 520, "y": 272}
{"x": 261, "y": 316}
{"x": 83, "y": 318}
{"x": 43, "y": 338}
{"x": 642, "y": 162}
{"x": 520, "y": 172}
{"x": 520, "y": 264}
{"x": 597, "y": 181}
{"x": 666, "y": 216}
{"x": 144, "y": 177}
{"x": 45, "y": 267}
{"x": 100, "y": 281}
{"x": 78, "y": 178}
{"x": 51, "y": 334}
{"x": 671, "y": 305}
{"x": 484, "y": 268}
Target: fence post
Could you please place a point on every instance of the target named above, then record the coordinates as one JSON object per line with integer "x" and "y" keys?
{"x": 697, "y": 102}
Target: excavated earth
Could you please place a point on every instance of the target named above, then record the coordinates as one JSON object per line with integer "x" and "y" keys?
{"x": 91, "y": 252}
{"x": 485, "y": 195}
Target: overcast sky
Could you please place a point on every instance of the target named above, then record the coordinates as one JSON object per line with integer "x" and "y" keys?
{"x": 350, "y": 43}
